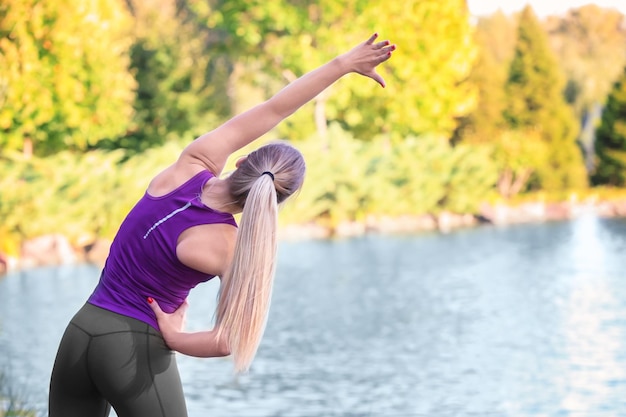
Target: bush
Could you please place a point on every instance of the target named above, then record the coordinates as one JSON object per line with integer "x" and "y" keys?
{"x": 10, "y": 406}
{"x": 348, "y": 179}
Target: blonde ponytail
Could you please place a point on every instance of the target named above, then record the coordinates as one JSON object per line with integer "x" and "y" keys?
{"x": 246, "y": 288}
{"x": 266, "y": 178}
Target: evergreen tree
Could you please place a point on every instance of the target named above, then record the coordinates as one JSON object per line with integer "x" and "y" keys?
{"x": 535, "y": 102}
{"x": 610, "y": 142}
{"x": 495, "y": 38}
{"x": 590, "y": 43}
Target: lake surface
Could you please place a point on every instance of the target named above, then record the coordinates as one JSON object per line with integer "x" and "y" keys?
{"x": 496, "y": 321}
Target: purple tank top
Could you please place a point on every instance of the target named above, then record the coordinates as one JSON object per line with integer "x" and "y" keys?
{"x": 142, "y": 261}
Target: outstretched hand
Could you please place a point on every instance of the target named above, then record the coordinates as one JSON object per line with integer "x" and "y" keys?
{"x": 169, "y": 324}
{"x": 365, "y": 57}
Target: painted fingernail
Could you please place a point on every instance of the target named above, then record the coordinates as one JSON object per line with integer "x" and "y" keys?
{"x": 393, "y": 47}
{"x": 386, "y": 42}
{"x": 150, "y": 300}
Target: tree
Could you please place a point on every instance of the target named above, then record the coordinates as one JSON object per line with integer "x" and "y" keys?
{"x": 590, "y": 44}
{"x": 170, "y": 63}
{"x": 535, "y": 102}
{"x": 237, "y": 35}
{"x": 427, "y": 79}
{"x": 64, "y": 79}
{"x": 610, "y": 142}
{"x": 495, "y": 38}
{"x": 428, "y": 88}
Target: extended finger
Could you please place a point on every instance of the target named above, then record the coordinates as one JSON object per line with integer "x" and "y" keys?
{"x": 371, "y": 39}
{"x": 376, "y": 77}
{"x": 385, "y": 53}
{"x": 388, "y": 49}
{"x": 380, "y": 45}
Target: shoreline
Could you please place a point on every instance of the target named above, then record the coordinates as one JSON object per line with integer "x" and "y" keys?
{"x": 55, "y": 249}
{"x": 445, "y": 222}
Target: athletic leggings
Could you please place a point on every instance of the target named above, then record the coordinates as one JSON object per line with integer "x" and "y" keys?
{"x": 106, "y": 359}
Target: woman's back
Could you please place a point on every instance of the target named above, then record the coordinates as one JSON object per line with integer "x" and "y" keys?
{"x": 143, "y": 259}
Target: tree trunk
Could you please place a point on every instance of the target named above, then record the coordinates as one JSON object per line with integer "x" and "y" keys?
{"x": 28, "y": 148}
{"x": 321, "y": 124}
{"x": 511, "y": 183}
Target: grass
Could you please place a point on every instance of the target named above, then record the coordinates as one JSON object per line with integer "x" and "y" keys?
{"x": 10, "y": 404}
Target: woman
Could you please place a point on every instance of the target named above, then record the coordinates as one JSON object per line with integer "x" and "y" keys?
{"x": 118, "y": 350}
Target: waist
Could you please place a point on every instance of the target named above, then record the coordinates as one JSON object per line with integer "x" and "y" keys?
{"x": 124, "y": 299}
{"x": 95, "y": 321}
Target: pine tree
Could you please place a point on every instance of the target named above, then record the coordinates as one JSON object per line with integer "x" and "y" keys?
{"x": 610, "y": 142}
{"x": 535, "y": 102}
{"x": 495, "y": 37}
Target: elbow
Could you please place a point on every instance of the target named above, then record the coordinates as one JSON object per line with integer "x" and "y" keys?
{"x": 222, "y": 347}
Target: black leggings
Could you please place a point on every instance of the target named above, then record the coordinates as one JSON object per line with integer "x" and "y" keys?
{"x": 106, "y": 359}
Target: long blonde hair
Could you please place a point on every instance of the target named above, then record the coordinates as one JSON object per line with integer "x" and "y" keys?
{"x": 261, "y": 182}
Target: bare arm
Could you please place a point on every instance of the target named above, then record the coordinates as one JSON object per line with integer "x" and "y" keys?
{"x": 199, "y": 344}
{"x": 203, "y": 344}
{"x": 212, "y": 149}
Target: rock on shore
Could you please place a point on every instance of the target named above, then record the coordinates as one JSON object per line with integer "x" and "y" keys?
{"x": 55, "y": 249}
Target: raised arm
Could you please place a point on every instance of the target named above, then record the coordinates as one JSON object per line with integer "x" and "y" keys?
{"x": 212, "y": 149}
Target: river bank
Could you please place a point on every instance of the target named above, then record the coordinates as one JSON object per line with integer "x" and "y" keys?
{"x": 55, "y": 249}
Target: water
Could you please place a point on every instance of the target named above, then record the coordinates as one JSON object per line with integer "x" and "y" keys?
{"x": 515, "y": 321}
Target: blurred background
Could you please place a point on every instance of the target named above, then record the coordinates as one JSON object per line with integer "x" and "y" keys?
{"x": 457, "y": 248}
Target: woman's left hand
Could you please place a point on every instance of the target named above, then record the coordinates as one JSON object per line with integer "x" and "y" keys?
{"x": 365, "y": 57}
{"x": 169, "y": 324}
{"x": 203, "y": 344}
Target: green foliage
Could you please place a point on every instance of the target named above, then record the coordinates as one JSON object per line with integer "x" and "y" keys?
{"x": 515, "y": 153}
{"x": 610, "y": 142}
{"x": 349, "y": 179}
{"x": 495, "y": 38}
{"x": 148, "y": 75}
{"x": 241, "y": 69}
{"x": 422, "y": 175}
{"x": 590, "y": 43}
{"x": 519, "y": 155}
{"x": 535, "y": 102}
{"x": 533, "y": 83}
{"x": 173, "y": 98}
{"x": 427, "y": 79}
{"x": 428, "y": 89}
{"x": 64, "y": 80}
{"x": 79, "y": 196}
{"x": 87, "y": 196}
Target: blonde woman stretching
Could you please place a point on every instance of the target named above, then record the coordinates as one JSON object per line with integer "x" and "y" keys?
{"x": 118, "y": 350}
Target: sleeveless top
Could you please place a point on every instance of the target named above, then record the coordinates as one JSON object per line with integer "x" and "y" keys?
{"x": 142, "y": 261}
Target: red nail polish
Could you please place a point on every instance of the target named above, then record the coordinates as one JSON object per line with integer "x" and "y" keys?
{"x": 150, "y": 300}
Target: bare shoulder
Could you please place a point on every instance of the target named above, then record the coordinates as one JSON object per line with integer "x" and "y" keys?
{"x": 208, "y": 248}
{"x": 173, "y": 177}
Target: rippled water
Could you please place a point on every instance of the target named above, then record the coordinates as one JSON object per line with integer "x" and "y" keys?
{"x": 516, "y": 321}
